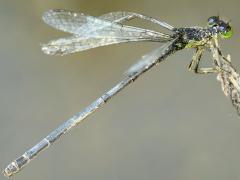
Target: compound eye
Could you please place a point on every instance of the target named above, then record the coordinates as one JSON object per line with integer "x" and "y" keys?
{"x": 225, "y": 30}
{"x": 213, "y": 20}
{"x": 222, "y": 26}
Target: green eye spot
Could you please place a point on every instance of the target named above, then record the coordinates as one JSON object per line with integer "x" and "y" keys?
{"x": 228, "y": 34}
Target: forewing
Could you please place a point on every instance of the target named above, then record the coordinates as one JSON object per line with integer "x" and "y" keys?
{"x": 123, "y": 16}
{"x": 63, "y": 20}
{"x": 118, "y": 16}
{"x": 75, "y": 23}
{"x": 69, "y": 21}
{"x": 90, "y": 32}
{"x": 92, "y": 39}
{"x": 74, "y": 44}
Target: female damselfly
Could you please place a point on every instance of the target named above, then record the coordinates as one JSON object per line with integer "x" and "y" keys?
{"x": 90, "y": 32}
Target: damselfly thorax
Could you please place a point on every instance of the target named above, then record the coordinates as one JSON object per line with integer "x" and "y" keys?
{"x": 193, "y": 37}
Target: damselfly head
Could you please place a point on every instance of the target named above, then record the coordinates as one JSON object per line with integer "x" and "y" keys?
{"x": 222, "y": 28}
{"x": 225, "y": 29}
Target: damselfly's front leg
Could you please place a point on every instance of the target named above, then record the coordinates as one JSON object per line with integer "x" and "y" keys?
{"x": 194, "y": 65}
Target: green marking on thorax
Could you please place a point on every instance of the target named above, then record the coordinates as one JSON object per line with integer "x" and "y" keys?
{"x": 194, "y": 44}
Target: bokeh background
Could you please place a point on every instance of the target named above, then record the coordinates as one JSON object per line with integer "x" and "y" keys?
{"x": 170, "y": 124}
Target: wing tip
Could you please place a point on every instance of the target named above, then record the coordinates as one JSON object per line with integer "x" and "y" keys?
{"x": 50, "y": 50}
{"x": 52, "y": 12}
{"x": 46, "y": 15}
{"x": 56, "y": 50}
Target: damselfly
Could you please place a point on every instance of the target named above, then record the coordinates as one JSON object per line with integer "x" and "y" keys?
{"x": 89, "y": 32}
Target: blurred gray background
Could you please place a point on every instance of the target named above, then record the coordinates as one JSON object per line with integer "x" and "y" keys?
{"x": 170, "y": 124}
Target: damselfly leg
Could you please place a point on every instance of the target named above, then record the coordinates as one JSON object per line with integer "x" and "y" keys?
{"x": 194, "y": 65}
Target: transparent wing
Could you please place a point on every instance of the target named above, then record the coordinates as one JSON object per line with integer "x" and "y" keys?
{"x": 63, "y": 20}
{"x": 123, "y": 16}
{"x": 74, "y": 44}
{"x": 118, "y": 16}
{"x": 69, "y": 21}
{"x": 90, "y": 32}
